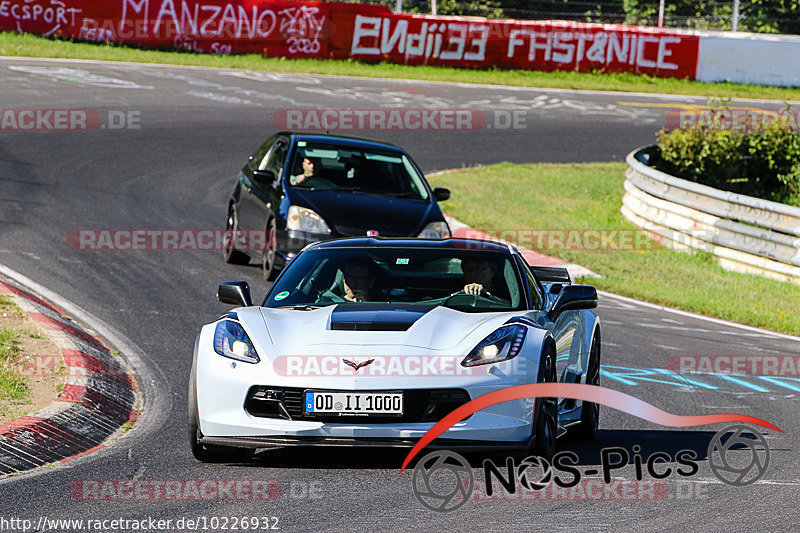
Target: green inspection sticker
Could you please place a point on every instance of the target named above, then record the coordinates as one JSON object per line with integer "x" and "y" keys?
{"x": 281, "y": 295}
{"x": 301, "y": 143}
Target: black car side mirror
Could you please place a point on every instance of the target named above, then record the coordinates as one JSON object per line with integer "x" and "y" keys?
{"x": 573, "y": 297}
{"x": 235, "y": 293}
{"x": 263, "y": 177}
{"x": 441, "y": 194}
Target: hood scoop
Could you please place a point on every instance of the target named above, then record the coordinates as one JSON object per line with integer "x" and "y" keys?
{"x": 376, "y": 317}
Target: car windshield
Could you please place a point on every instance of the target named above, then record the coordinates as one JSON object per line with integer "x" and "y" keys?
{"x": 467, "y": 280}
{"x": 332, "y": 167}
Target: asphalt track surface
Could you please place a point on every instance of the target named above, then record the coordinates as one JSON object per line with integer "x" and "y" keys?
{"x": 176, "y": 171}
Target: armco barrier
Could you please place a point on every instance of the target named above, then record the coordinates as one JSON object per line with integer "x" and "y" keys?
{"x": 746, "y": 234}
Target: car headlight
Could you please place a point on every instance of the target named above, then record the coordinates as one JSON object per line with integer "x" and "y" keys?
{"x": 435, "y": 230}
{"x": 502, "y": 345}
{"x": 304, "y": 219}
{"x": 230, "y": 340}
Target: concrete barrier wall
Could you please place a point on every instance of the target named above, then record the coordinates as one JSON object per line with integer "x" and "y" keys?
{"x": 746, "y": 234}
{"x": 749, "y": 58}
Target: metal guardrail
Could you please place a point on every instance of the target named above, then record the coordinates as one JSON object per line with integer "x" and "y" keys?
{"x": 746, "y": 234}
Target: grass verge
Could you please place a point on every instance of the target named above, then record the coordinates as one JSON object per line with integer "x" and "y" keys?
{"x": 13, "y": 386}
{"x": 13, "y": 44}
{"x": 509, "y": 200}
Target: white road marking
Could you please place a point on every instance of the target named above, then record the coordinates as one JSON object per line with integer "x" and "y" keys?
{"x": 666, "y": 347}
{"x": 79, "y": 76}
{"x": 223, "y": 98}
{"x": 282, "y": 77}
{"x": 702, "y": 330}
{"x": 655, "y": 96}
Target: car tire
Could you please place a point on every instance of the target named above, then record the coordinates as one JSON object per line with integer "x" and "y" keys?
{"x": 590, "y": 411}
{"x": 229, "y": 251}
{"x": 545, "y": 419}
{"x": 269, "y": 254}
{"x": 203, "y": 452}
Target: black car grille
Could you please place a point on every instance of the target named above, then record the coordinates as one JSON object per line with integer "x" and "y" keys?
{"x": 351, "y": 231}
{"x": 419, "y": 405}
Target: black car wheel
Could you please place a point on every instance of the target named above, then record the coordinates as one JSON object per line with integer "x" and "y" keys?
{"x": 590, "y": 412}
{"x": 231, "y": 254}
{"x": 545, "y": 416}
{"x": 268, "y": 262}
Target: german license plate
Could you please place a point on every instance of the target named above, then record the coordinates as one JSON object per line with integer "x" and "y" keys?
{"x": 353, "y": 403}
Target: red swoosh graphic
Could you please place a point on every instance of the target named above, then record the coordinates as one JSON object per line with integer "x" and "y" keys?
{"x": 590, "y": 393}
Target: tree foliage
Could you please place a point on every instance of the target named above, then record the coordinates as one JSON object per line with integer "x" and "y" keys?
{"x": 763, "y": 16}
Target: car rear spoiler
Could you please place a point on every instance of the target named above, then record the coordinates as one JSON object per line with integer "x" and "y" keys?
{"x": 550, "y": 274}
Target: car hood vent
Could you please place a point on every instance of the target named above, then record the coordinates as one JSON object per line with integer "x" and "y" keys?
{"x": 376, "y": 317}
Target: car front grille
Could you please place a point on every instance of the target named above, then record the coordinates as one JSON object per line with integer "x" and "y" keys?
{"x": 351, "y": 231}
{"x": 419, "y": 405}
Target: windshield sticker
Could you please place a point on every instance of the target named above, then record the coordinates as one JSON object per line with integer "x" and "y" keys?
{"x": 301, "y": 143}
{"x": 321, "y": 153}
{"x": 281, "y": 295}
{"x": 401, "y": 261}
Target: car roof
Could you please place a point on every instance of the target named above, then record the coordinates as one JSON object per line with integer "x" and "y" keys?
{"x": 342, "y": 140}
{"x": 439, "y": 244}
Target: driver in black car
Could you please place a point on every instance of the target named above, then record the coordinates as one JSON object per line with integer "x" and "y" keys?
{"x": 310, "y": 166}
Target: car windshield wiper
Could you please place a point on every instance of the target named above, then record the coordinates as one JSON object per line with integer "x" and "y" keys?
{"x": 301, "y": 307}
{"x": 408, "y": 194}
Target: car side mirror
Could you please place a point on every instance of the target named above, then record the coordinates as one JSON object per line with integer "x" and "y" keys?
{"x": 441, "y": 194}
{"x": 573, "y": 297}
{"x": 263, "y": 177}
{"x": 235, "y": 293}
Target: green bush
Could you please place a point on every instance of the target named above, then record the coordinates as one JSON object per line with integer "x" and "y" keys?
{"x": 762, "y": 160}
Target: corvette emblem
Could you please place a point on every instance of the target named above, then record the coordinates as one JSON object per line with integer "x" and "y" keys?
{"x": 356, "y": 366}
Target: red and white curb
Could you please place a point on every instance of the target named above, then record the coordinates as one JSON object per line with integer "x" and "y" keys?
{"x": 99, "y": 398}
{"x": 462, "y": 231}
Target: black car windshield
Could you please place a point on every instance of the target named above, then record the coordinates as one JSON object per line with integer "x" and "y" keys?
{"x": 344, "y": 168}
{"x": 468, "y": 280}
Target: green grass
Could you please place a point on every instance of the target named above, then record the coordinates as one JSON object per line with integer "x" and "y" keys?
{"x": 8, "y": 309}
{"x": 13, "y": 44}
{"x": 13, "y": 387}
{"x": 588, "y": 196}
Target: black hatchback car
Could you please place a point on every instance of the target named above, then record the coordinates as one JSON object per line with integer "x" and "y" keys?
{"x": 298, "y": 188}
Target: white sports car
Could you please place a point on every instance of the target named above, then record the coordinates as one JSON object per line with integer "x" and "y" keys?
{"x": 370, "y": 342}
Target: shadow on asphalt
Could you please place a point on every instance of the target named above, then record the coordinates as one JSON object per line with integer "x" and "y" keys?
{"x": 649, "y": 441}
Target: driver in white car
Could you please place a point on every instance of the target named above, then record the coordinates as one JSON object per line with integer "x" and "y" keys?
{"x": 478, "y": 275}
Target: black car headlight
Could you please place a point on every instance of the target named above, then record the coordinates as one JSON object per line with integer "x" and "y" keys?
{"x": 503, "y": 344}
{"x": 307, "y": 220}
{"x": 230, "y": 340}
